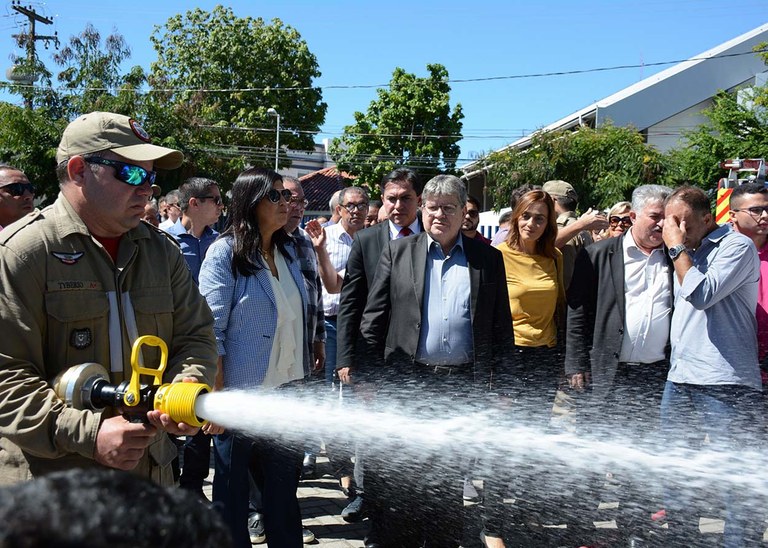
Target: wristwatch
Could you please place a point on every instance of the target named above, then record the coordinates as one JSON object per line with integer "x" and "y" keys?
{"x": 676, "y": 251}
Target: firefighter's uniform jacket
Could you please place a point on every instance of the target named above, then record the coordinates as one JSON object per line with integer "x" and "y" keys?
{"x": 64, "y": 302}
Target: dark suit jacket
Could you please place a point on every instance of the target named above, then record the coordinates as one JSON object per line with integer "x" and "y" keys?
{"x": 596, "y": 311}
{"x": 392, "y": 318}
{"x": 358, "y": 278}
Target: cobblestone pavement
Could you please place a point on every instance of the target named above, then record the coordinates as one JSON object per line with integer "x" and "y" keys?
{"x": 321, "y": 503}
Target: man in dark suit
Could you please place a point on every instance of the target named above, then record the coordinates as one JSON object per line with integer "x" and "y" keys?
{"x": 619, "y": 311}
{"x": 401, "y": 197}
{"x": 436, "y": 327}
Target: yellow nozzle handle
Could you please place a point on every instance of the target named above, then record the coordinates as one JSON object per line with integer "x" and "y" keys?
{"x": 132, "y": 394}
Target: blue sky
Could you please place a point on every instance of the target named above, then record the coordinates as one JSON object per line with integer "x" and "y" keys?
{"x": 360, "y": 43}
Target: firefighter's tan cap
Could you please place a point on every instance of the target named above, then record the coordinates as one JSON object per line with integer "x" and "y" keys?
{"x": 99, "y": 131}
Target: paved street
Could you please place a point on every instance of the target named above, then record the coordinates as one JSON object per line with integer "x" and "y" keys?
{"x": 322, "y": 501}
{"x": 321, "y": 504}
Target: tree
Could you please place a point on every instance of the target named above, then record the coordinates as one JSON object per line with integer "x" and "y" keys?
{"x": 411, "y": 123}
{"x": 28, "y": 141}
{"x": 733, "y": 130}
{"x": 604, "y": 165}
{"x": 91, "y": 77}
{"x": 215, "y": 78}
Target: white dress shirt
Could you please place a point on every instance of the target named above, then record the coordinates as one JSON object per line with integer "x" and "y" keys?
{"x": 648, "y": 299}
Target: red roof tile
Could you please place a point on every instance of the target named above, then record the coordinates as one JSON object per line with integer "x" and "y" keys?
{"x": 319, "y": 186}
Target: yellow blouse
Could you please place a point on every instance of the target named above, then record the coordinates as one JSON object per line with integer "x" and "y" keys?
{"x": 536, "y": 291}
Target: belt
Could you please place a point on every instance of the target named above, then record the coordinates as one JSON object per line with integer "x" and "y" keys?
{"x": 642, "y": 364}
{"x": 446, "y": 369}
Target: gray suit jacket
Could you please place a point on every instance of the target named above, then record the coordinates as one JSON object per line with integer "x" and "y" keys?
{"x": 596, "y": 311}
{"x": 392, "y": 319}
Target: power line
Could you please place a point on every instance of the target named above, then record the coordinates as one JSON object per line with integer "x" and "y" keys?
{"x": 388, "y": 85}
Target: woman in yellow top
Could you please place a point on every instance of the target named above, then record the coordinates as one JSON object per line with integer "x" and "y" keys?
{"x": 534, "y": 275}
{"x": 537, "y": 300}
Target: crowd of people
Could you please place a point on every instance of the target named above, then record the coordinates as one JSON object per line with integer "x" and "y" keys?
{"x": 647, "y": 320}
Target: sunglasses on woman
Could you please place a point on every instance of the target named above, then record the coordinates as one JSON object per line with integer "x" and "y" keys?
{"x": 274, "y": 195}
{"x": 623, "y": 221}
{"x": 129, "y": 174}
{"x": 18, "y": 189}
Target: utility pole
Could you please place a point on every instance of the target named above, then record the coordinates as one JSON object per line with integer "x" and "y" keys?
{"x": 29, "y": 39}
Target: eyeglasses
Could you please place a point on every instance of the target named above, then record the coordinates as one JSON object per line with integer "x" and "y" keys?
{"x": 351, "y": 207}
{"x": 130, "y": 174}
{"x": 615, "y": 221}
{"x": 174, "y": 204}
{"x": 755, "y": 212}
{"x": 449, "y": 209}
{"x": 298, "y": 202}
{"x": 473, "y": 213}
{"x": 216, "y": 199}
{"x": 18, "y": 189}
{"x": 274, "y": 195}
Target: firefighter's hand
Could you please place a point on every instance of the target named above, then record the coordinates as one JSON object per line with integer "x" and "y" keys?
{"x": 121, "y": 444}
{"x": 163, "y": 421}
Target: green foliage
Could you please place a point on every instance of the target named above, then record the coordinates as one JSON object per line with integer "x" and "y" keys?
{"x": 733, "y": 131}
{"x": 216, "y": 76}
{"x": 28, "y": 141}
{"x": 604, "y": 165}
{"x": 411, "y": 123}
{"x": 91, "y": 78}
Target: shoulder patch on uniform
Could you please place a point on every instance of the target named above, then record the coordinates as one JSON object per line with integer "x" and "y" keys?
{"x": 68, "y": 258}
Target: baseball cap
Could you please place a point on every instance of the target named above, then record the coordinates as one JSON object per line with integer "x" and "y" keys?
{"x": 99, "y": 131}
{"x": 560, "y": 188}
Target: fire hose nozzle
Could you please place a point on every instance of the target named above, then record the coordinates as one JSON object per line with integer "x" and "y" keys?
{"x": 86, "y": 386}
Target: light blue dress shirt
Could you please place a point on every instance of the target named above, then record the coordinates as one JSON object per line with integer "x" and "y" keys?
{"x": 446, "y": 320}
{"x": 194, "y": 249}
{"x": 714, "y": 330}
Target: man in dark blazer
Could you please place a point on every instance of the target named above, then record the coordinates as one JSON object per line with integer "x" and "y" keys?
{"x": 617, "y": 343}
{"x": 436, "y": 328}
{"x": 401, "y": 197}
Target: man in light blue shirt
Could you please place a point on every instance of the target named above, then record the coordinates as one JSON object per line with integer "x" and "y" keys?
{"x": 713, "y": 386}
{"x": 437, "y": 324}
{"x": 446, "y": 333}
{"x": 201, "y": 204}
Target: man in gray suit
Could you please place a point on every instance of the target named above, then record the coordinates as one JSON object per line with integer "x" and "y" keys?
{"x": 617, "y": 343}
{"x": 437, "y": 325}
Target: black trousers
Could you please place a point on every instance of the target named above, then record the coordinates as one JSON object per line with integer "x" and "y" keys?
{"x": 414, "y": 494}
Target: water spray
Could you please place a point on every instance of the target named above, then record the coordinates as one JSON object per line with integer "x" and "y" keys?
{"x": 87, "y": 386}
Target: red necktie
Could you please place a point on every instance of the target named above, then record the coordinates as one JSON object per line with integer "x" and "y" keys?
{"x": 405, "y": 231}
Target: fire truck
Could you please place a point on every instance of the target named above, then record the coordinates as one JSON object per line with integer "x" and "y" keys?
{"x": 740, "y": 171}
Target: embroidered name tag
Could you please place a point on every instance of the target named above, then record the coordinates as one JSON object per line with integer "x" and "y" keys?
{"x": 73, "y": 285}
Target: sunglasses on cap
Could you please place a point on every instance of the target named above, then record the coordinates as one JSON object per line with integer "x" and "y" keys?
{"x": 274, "y": 195}
{"x": 129, "y": 174}
{"x": 18, "y": 189}
{"x": 623, "y": 221}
